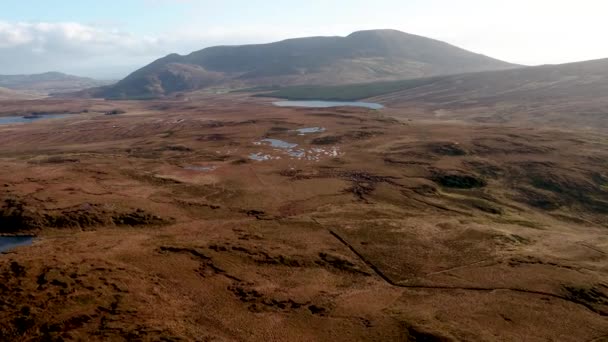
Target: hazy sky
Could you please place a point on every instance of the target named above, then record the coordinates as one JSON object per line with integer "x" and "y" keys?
{"x": 110, "y": 38}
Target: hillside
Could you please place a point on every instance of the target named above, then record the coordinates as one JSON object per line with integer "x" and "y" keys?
{"x": 8, "y": 94}
{"x": 48, "y": 83}
{"x": 582, "y": 80}
{"x": 360, "y": 57}
{"x": 570, "y": 96}
{"x": 345, "y": 92}
{"x": 566, "y": 95}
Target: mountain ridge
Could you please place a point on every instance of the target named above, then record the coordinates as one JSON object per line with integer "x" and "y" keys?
{"x": 48, "y": 82}
{"x": 370, "y": 55}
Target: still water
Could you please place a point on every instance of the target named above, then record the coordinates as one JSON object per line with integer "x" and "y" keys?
{"x": 9, "y": 242}
{"x": 7, "y": 120}
{"x": 327, "y": 104}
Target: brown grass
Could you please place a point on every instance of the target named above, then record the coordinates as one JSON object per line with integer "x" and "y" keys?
{"x": 372, "y": 244}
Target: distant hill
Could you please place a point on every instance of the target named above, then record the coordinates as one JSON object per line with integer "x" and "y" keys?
{"x": 360, "y": 57}
{"x": 565, "y": 82}
{"x": 48, "y": 83}
{"x": 573, "y": 95}
{"x": 9, "y": 94}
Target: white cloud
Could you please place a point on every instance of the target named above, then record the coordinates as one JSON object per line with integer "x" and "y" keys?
{"x": 69, "y": 37}
{"x": 95, "y": 51}
{"x": 91, "y": 50}
{"x": 73, "y": 47}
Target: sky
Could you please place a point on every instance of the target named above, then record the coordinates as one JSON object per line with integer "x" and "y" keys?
{"x": 109, "y": 39}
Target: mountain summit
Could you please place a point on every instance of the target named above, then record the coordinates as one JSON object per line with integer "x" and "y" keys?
{"x": 360, "y": 57}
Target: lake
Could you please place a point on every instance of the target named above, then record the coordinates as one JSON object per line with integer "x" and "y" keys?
{"x": 7, "y": 120}
{"x": 9, "y": 242}
{"x": 327, "y": 104}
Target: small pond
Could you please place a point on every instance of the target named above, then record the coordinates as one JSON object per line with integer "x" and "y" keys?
{"x": 9, "y": 242}
{"x": 7, "y": 120}
{"x": 327, "y": 104}
{"x": 293, "y": 151}
{"x": 260, "y": 156}
{"x": 310, "y": 130}
{"x": 276, "y": 143}
{"x": 200, "y": 168}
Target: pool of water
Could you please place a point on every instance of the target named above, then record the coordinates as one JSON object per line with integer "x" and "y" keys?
{"x": 9, "y": 242}
{"x": 260, "y": 156}
{"x": 327, "y": 104}
{"x": 310, "y": 130}
{"x": 276, "y": 143}
{"x": 294, "y": 151}
{"x": 7, "y": 120}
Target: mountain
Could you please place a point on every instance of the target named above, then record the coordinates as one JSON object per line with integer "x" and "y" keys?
{"x": 360, "y": 57}
{"x": 48, "y": 83}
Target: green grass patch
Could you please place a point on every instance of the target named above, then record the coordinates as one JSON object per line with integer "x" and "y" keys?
{"x": 546, "y": 184}
{"x": 144, "y": 97}
{"x": 256, "y": 89}
{"x": 351, "y": 92}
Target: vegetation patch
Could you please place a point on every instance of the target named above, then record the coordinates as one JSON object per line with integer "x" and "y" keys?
{"x": 352, "y": 92}
{"x": 572, "y": 190}
{"x": 115, "y": 112}
{"x": 326, "y": 140}
{"x": 447, "y": 149}
{"x": 484, "y": 206}
{"x": 55, "y": 160}
{"x": 418, "y": 334}
{"x": 17, "y": 216}
{"x": 593, "y": 297}
{"x": 485, "y": 168}
{"x": 458, "y": 180}
{"x": 539, "y": 199}
{"x": 176, "y": 148}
